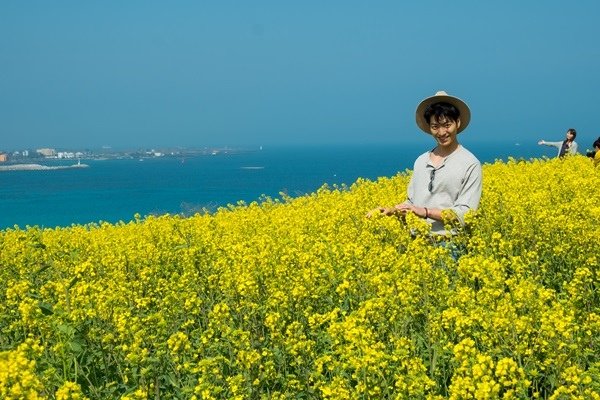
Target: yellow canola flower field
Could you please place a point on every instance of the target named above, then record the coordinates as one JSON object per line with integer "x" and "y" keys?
{"x": 306, "y": 298}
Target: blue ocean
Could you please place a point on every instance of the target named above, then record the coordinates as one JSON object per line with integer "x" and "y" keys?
{"x": 116, "y": 189}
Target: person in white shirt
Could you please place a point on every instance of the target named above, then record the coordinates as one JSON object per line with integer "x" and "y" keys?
{"x": 448, "y": 177}
{"x": 567, "y": 146}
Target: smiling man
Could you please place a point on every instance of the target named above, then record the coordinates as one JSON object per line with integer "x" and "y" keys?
{"x": 448, "y": 177}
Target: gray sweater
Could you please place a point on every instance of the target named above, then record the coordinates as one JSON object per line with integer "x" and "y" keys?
{"x": 456, "y": 185}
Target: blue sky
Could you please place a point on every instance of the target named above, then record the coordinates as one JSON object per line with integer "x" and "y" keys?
{"x": 82, "y": 74}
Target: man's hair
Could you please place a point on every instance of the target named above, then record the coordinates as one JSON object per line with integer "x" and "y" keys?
{"x": 596, "y": 143}
{"x": 439, "y": 110}
{"x": 573, "y": 132}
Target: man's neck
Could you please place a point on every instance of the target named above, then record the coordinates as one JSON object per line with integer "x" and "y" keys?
{"x": 446, "y": 150}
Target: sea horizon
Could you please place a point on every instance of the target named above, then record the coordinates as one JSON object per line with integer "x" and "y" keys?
{"x": 116, "y": 190}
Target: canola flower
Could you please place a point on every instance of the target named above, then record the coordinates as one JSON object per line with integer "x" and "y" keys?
{"x": 305, "y": 298}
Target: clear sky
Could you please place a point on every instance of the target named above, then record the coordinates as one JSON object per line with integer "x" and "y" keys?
{"x": 83, "y": 74}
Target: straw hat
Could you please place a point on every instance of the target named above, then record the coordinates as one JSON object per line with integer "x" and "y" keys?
{"x": 443, "y": 97}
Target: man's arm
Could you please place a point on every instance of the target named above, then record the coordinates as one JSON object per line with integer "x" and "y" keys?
{"x": 470, "y": 194}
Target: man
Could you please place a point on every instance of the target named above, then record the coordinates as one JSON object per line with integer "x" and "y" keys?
{"x": 567, "y": 146}
{"x": 446, "y": 180}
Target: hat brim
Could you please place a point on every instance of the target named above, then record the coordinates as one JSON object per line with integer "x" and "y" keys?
{"x": 463, "y": 109}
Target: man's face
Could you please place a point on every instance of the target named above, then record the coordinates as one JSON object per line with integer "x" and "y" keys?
{"x": 444, "y": 130}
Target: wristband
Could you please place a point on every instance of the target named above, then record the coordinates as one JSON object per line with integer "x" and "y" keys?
{"x": 426, "y": 212}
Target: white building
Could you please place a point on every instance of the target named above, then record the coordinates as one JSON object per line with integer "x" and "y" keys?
{"x": 47, "y": 152}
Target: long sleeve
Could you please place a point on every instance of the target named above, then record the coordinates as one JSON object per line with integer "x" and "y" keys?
{"x": 553, "y": 144}
{"x": 470, "y": 193}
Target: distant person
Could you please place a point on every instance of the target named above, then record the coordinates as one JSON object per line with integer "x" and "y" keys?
{"x": 446, "y": 178}
{"x": 592, "y": 153}
{"x": 596, "y": 155}
{"x": 567, "y": 146}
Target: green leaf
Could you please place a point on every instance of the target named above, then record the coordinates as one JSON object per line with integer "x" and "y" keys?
{"x": 75, "y": 346}
{"x": 66, "y": 329}
{"x": 41, "y": 269}
{"x": 46, "y": 308}
{"x": 73, "y": 282}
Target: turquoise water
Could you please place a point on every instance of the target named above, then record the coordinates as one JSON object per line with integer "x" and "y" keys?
{"x": 115, "y": 190}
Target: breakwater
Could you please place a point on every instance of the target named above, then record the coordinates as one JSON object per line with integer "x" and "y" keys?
{"x": 38, "y": 167}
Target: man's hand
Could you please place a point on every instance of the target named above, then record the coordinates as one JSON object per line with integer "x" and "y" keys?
{"x": 404, "y": 209}
{"x": 378, "y": 210}
{"x": 399, "y": 209}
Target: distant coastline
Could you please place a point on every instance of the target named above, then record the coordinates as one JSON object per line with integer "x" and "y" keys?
{"x": 38, "y": 167}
